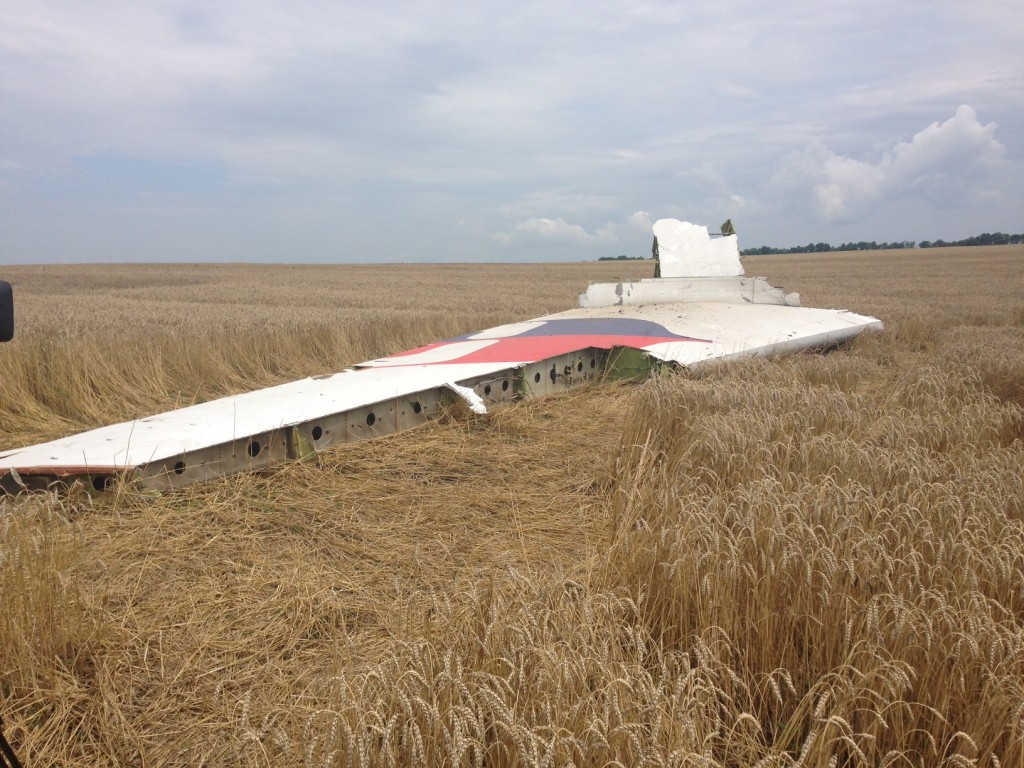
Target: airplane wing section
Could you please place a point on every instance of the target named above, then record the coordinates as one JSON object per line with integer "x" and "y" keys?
{"x": 382, "y": 396}
{"x": 626, "y": 329}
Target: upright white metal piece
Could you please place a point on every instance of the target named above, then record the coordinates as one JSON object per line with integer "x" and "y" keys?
{"x": 687, "y": 250}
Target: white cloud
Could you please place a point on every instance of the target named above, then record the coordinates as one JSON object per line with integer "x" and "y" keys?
{"x": 946, "y": 163}
{"x": 847, "y": 186}
{"x": 641, "y": 220}
{"x": 961, "y": 144}
{"x": 559, "y": 229}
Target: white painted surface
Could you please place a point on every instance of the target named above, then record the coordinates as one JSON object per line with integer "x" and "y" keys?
{"x": 687, "y": 250}
{"x": 171, "y": 434}
{"x": 746, "y": 330}
{"x": 476, "y": 403}
{"x": 730, "y": 290}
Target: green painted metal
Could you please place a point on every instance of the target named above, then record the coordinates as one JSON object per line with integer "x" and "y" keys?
{"x": 628, "y": 364}
{"x": 299, "y": 446}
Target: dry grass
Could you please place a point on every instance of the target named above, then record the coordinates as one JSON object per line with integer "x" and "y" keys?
{"x": 810, "y": 561}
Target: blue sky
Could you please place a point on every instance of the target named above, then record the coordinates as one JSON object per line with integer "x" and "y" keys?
{"x": 527, "y": 131}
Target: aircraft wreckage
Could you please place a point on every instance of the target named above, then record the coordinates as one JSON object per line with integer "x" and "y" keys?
{"x": 701, "y": 308}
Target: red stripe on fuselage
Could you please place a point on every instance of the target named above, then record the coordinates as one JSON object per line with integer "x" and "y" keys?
{"x": 530, "y": 349}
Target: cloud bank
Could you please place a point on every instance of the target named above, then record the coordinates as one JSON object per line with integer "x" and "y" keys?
{"x": 177, "y": 131}
{"x": 559, "y": 229}
{"x": 946, "y": 163}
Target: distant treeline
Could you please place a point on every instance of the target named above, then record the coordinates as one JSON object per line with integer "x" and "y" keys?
{"x": 622, "y": 257}
{"x": 987, "y": 238}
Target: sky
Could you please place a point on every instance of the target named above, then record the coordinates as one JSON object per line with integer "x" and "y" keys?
{"x": 322, "y": 132}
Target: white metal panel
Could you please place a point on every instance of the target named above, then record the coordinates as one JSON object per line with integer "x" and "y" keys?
{"x": 170, "y": 434}
{"x": 688, "y": 250}
{"x": 672, "y": 290}
{"x": 738, "y": 329}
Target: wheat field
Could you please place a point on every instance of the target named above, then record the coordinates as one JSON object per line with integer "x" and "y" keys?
{"x": 816, "y": 560}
